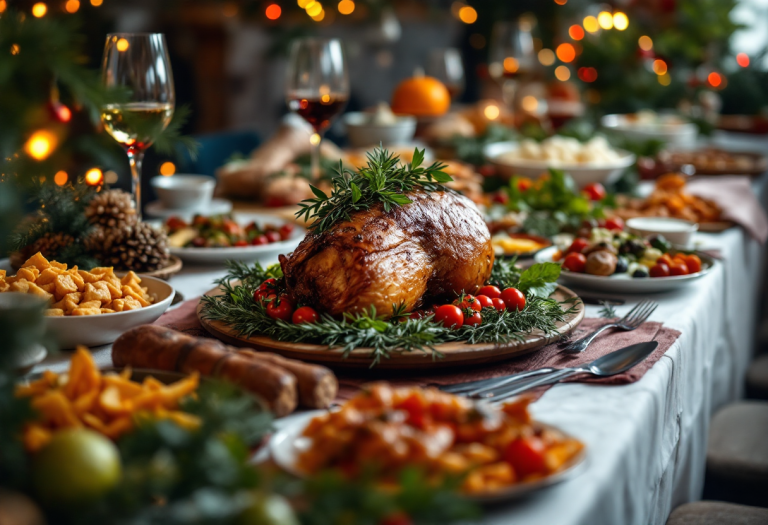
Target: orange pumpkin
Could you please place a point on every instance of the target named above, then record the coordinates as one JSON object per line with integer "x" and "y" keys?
{"x": 421, "y": 96}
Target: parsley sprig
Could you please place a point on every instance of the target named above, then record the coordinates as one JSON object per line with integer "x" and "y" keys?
{"x": 384, "y": 180}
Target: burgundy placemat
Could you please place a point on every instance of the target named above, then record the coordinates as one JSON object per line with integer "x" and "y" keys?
{"x": 184, "y": 319}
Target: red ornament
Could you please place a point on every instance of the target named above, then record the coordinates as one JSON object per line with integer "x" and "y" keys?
{"x": 59, "y": 111}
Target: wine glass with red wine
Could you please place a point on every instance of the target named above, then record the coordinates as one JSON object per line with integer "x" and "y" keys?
{"x": 317, "y": 86}
{"x": 512, "y": 55}
{"x": 445, "y": 65}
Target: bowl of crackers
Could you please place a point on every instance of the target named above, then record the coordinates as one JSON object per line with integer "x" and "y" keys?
{"x": 89, "y": 307}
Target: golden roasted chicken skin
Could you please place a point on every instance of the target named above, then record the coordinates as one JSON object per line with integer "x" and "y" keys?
{"x": 433, "y": 248}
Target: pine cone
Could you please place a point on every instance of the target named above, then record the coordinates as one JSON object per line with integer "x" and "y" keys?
{"x": 50, "y": 245}
{"x": 140, "y": 248}
{"x": 111, "y": 209}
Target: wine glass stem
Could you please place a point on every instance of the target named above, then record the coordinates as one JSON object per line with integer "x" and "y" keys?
{"x": 134, "y": 159}
{"x": 315, "y": 158}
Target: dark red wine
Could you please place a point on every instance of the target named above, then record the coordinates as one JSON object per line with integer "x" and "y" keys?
{"x": 318, "y": 111}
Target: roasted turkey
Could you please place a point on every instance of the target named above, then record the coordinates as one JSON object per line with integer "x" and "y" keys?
{"x": 431, "y": 249}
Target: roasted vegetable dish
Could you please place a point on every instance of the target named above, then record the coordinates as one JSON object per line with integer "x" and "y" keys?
{"x": 222, "y": 231}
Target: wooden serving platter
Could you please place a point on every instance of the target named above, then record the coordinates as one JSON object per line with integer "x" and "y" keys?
{"x": 454, "y": 353}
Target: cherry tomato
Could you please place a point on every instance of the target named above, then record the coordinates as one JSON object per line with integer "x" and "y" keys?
{"x": 678, "y": 268}
{"x": 305, "y": 314}
{"x": 513, "y": 298}
{"x": 281, "y": 308}
{"x": 659, "y": 270}
{"x": 666, "y": 259}
{"x": 594, "y": 191}
{"x": 487, "y": 170}
{"x": 469, "y": 302}
{"x": 524, "y": 184}
{"x": 241, "y": 242}
{"x": 473, "y": 320}
{"x": 614, "y": 224}
{"x": 273, "y": 236}
{"x": 266, "y": 288}
{"x": 174, "y": 223}
{"x": 501, "y": 197}
{"x": 489, "y": 291}
{"x": 397, "y": 518}
{"x": 285, "y": 231}
{"x": 499, "y": 304}
{"x": 526, "y": 455}
{"x": 450, "y": 315}
{"x": 578, "y": 245}
{"x": 414, "y": 406}
{"x": 694, "y": 263}
{"x": 575, "y": 262}
{"x": 230, "y": 227}
{"x": 484, "y": 301}
{"x": 198, "y": 242}
{"x": 259, "y": 240}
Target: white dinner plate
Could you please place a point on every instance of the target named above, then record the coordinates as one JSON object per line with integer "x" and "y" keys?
{"x": 287, "y": 443}
{"x": 95, "y": 330}
{"x": 623, "y": 282}
{"x": 582, "y": 174}
{"x": 266, "y": 253}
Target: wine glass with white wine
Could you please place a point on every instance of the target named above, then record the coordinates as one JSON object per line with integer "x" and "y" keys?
{"x": 139, "y": 64}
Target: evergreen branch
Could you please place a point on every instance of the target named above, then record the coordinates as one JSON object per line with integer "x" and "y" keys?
{"x": 167, "y": 139}
{"x": 384, "y": 180}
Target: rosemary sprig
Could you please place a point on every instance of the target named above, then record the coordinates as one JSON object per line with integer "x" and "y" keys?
{"x": 384, "y": 180}
{"x": 398, "y": 334}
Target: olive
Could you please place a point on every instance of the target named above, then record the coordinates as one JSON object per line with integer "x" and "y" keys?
{"x": 633, "y": 246}
{"x": 621, "y": 265}
{"x": 641, "y": 273}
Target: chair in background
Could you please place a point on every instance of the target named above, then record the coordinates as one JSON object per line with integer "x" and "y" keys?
{"x": 215, "y": 149}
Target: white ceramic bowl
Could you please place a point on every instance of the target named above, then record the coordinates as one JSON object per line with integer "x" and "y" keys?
{"x": 95, "y": 330}
{"x": 180, "y": 192}
{"x": 582, "y": 174}
{"x": 676, "y": 231}
{"x": 363, "y": 133}
{"x": 680, "y": 134}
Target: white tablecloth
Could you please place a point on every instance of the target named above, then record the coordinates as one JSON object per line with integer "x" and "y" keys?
{"x": 647, "y": 440}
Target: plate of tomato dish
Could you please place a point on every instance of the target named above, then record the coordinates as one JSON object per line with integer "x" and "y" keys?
{"x": 239, "y": 237}
{"x": 494, "y": 452}
{"x": 621, "y": 262}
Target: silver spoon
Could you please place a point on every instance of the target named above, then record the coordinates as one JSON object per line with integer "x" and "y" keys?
{"x": 608, "y": 365}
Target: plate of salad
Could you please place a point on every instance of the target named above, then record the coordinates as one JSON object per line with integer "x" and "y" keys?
{"x": 244, "y": 237}
{"x": 619, "y": 262}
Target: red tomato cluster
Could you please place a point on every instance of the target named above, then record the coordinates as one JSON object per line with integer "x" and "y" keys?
{"x": 283, "y": 307}
{"x": 467, "y": 310}
{"x": 680, "y": 264}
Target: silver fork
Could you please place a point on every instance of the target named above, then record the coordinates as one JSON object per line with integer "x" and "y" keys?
{"x": 634, "y": 318}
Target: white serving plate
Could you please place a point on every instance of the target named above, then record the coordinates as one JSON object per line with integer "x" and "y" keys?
{"x": 674, "y": 134}
{"x": 287, "y": 443}
{"x": 96, "y": 330}
{"x": 624, "y": 283}
{"x": 266, "y": 253}
{"x": 582, "y": 174}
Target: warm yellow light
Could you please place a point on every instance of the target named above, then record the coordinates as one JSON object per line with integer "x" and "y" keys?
{"x": 94, "y": 177}
{"x": 620, "y": 21}
{"x": 664, "y": 79}
{"x": 39, "y": 10}
{"x": 72, "y": 6}
{"x": 530, "y": 103}
{"x": 511, "y": 65}
{"x": 60, "y": 178}
{"x": 314, "y": 139}
{"x": 346, "y": 7}
{"x": 590, "y": 24}
{"x": 3, "y": 5}
{"x": 96, "y": 3}
{"x": 167, "y": 168}
{"x": 576, "y": 32}
{"x": 491, "y": 112}
{"x": 122, "y": 45}
{"x": 304, "y": 3}
{"x": 566, "y": 52}
{"x": 645, "y": 43}
{"x": 562, "y": 73}
{"x": 15, "y": 49}
{"x": 605, "y": 20}
{"x": 659, "y": 66}
{"x": 546, "y": 57}
{"x": 319, "y": 17}
{"x": 40, "y": 145}
{"x": 468, "y": 15}
{"x": 314, "y": 8}
{"x": 325, "y": 99}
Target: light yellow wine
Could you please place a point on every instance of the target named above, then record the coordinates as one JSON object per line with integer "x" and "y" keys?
{"x": 136, "y": 125}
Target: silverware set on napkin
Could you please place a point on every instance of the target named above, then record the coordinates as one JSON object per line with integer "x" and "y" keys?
{"x": 619, "y": 361}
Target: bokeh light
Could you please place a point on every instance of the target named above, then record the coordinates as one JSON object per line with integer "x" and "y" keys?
{"x": 742, "y": 59}
{"x": 167, "y": 168}
{"x": 561, "y": 2}
{"x": 605, "y": 20}
{"x": 576, "y": 32}
{"x": 72, "y": 6}
{"x": 319, "y": 16}
{"x": 645, "y": 43}
{"x": 39, "y": 10}
{"x": 3, "y": 5}
{"x": 562, "y": 73}
{"x": 546, "y": 57}
{"x": 491, "y": 112}
{"x": 714, "y": 79}
{"x": 40, "y": 145}
{"x": 96, "y": 3}
{"x": 314, "y": 8}
{"x": 665, "y": 79}
{"x": 620, "y": 21}
{"x": 566, "y": 52}
{"x": 15, "y": 49}
{"x": 63, "y": 112}
{"x": 590, "y": 24}
{"x": 61, "y": 178}
{"x": 587, "y": 74}
{"x": 511, "y": 65}
{"x": 659, "y": 66}
{"x": 273, "y": 11}
{"x": 346, "y": 7}
{"x": 468, "y": 15}
{"x": 314, "y": 139}
{"x": 110, "y": 177}
{"x": 529, "y": 103}
{"x": 94, "y": 177}
{"x": 122, "y": 45}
